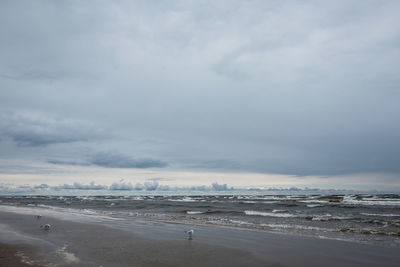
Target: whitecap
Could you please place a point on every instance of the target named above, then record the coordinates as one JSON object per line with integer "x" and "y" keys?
{"x": 350, "y": 200}
{"x": 279, "y": 211}
{"x": 267, "y": 214}
{"x": 314, "y": 205}
{"x": 193, "y": 212}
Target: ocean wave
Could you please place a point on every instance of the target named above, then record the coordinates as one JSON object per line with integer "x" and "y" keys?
{"x": 185, "y": 199}
{"x": 288, "y": 204}
{"x": 381, "y": 214}
{"x": 279, "y": 211}
{"x": 225, "y": 212}
{"x": 214, "y": 212}
{"x": 297, "y": 227}
{"x": 261, "y": 198}
{"x": 314, "y": 205}
{"x": 194, "y": 212}
{"x": 314, "y": 201}
{"x": 268, "y": 214}
{"x": 327, "y": 218}
{"x": 369, "y": 232}
{"x": 370, "y": 201}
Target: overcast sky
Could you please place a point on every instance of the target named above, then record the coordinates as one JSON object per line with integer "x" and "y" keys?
{"x": 184, "y": 88}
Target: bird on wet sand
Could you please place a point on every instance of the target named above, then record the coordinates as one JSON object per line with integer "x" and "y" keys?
{"x": 190, "y": 234}
{"x": 45, "y": 226}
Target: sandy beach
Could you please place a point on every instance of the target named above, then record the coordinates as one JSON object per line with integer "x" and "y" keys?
{"x": 16, "y": 256}
{"x": 77, "y": 243}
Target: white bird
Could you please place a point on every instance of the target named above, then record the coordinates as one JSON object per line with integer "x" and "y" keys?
{"x": 190, "y": 234}
{"x": 45, "y": 226}
{"x": 38, "y": 217}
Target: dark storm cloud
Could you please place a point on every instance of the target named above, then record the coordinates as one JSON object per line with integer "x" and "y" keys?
{"x": 38, "y": 130}
{"x": 38, "y": 139}
{"x": 262, "y": 86}
{"x": 112, "y": 160}
{"x": 67, "y": 162}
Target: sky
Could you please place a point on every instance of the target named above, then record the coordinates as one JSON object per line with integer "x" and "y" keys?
{"x": 248, "y": 93}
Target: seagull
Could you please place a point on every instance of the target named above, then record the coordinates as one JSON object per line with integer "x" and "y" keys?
{"x": 38, "y": 217}
{"x": 190, "y": 234}
{"x": 45, "y": 226}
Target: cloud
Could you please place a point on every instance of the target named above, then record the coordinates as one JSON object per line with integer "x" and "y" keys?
{"x": 41, "y": 186}
{"x": 79, "y": 186}
{"x": 222, "y": 164}
{"x": 151, "y": 186}
{"x": 220, "y": 187}
{"x": 67, "y": 162}
{"x": 148, "y": 186}
{"x": 139, "y": 186}
{"x": 27, "y": 129}
{"x": 114, "y": 160}
{"x": 158, "y": 179}
{"x": 44, "y": 189}
{"x": 299, "y": 88}
{"x": 122, "y": 186}
{"x": 30, "y": 75}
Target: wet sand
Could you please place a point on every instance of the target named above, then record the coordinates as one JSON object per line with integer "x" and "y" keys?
{"x": 70, "y": 243}
{"x": 79, "y": 244}
{"x": 15, "y": 256}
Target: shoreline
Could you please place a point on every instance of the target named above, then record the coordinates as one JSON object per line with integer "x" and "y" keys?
{"x": 74, "y": 214}
{"x": 371, "y": 219}
{"x": 87, "y": 244}
{"x": 156, "y": 242}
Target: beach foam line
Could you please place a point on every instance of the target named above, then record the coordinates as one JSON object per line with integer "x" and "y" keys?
{"x": 297, "y": 227}
{"x": 268, "y": 214}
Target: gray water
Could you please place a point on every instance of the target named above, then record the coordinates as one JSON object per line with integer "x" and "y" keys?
{"x": 358, "y": 218}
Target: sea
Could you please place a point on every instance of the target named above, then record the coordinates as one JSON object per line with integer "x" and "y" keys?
{"x": 364, "y": 218}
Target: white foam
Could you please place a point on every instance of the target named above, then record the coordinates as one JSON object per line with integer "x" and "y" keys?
{"x": 267, "y": 214}
{"x": 350, "y": 200}
{"x": 185, "y": 199}
{"x": 314, "y": 205}
{"x": 329, "y": 217}
{"x": 237, "y": 222}
{"x": 279, "y": 211}
{"x": 314, "y": 201}
{"x": 297, "y": 227}
{"x": 194, "y": 212}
